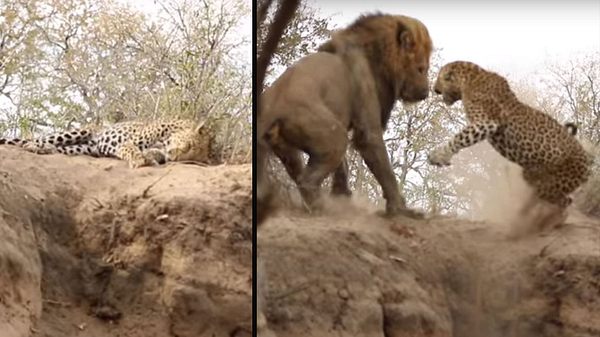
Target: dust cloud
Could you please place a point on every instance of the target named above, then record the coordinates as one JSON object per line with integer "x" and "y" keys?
{"x": 493, "y": 188}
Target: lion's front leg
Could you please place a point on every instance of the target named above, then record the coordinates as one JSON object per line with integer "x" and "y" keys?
{"x": 470, "y": 135}
{"x": 372, "y": 149}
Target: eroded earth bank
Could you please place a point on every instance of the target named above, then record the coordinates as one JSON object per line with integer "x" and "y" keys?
{"x": 92, "y": 248}
{"x": 348, "y": 272}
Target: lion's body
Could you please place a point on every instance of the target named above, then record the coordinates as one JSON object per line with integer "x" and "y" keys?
{"x": 139, "y": 143}
{"x": 554, "y": 162}
{"x": 351, "y": 84}
{"x": 325, "y": 87}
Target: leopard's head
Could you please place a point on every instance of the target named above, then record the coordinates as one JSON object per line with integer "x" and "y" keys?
{"x": 191, "y": 144}
{"x": 449, "y": 82}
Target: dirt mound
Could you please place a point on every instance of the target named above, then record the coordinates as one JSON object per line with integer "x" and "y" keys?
{"x": 352, "y": 273}
{"x": 92, "y": 248}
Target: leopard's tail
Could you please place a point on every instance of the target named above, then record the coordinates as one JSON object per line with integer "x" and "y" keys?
{"x": 571, "y": 128}
{"x": 13, "y": 141}
{"x": 593, "y": 151}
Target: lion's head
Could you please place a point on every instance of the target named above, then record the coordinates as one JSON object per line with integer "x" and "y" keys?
{"x": 398, "y": 48}
{"x": 414, "y": 50}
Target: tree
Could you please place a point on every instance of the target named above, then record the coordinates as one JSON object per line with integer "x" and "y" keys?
{"x": 83, "y": 61}
{"x": 302, "y": 35}
{"x": 20, "y": 52}
{"x": 576, "y": 89}
{"x": 577, "y": 86}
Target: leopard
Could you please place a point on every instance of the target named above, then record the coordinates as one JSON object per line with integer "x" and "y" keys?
{"x": 139, "y": 143}
{"x": 554, "y": 163}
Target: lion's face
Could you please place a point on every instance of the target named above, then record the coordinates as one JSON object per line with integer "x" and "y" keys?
{"x": 446, "y": 85}
{"x": 414, "y": 53}
{"x": 415, "y": 84}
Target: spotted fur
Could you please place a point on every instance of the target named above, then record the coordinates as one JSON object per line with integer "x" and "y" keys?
{"x": 138, "y": 143}
{"x": 554, "y": 162}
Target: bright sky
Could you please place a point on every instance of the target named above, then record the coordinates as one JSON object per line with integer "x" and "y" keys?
{"x": 511, "y": 37}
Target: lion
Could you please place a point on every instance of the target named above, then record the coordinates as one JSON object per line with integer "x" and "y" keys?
{"x": 350, "y": 84}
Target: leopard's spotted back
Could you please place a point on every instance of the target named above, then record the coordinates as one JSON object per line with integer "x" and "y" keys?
{"x": 143, "y": 135}
{"x": 553, "y": 160}
{"x": 526, "y": 135}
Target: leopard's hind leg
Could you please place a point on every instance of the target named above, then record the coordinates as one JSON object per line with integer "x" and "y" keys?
{"x": 52, "y": 143}
{"x": 67, "y": 138}
{"x": 79, "y": 149}
{"x": 552, "y": 187}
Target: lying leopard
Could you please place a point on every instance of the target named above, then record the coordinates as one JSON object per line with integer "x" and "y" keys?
{"x": 554, "y": 162}
{"x": 138, "y": 143}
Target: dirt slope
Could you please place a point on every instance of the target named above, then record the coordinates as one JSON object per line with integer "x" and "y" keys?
{"x": 92, "y": 248}
{"x": 350, "y": 273}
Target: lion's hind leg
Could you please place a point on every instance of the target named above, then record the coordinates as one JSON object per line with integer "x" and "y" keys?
{"x": 290, "y": 157}
{"x": 339, "y": 184}
{"x": 318, "y": 168}
{"x": 318, "y": 133}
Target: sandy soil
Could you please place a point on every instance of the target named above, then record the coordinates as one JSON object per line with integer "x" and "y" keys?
{"x": 348, "y": 272}
{"x": 359, "y": 275}
{"x": 92, "y": 248}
